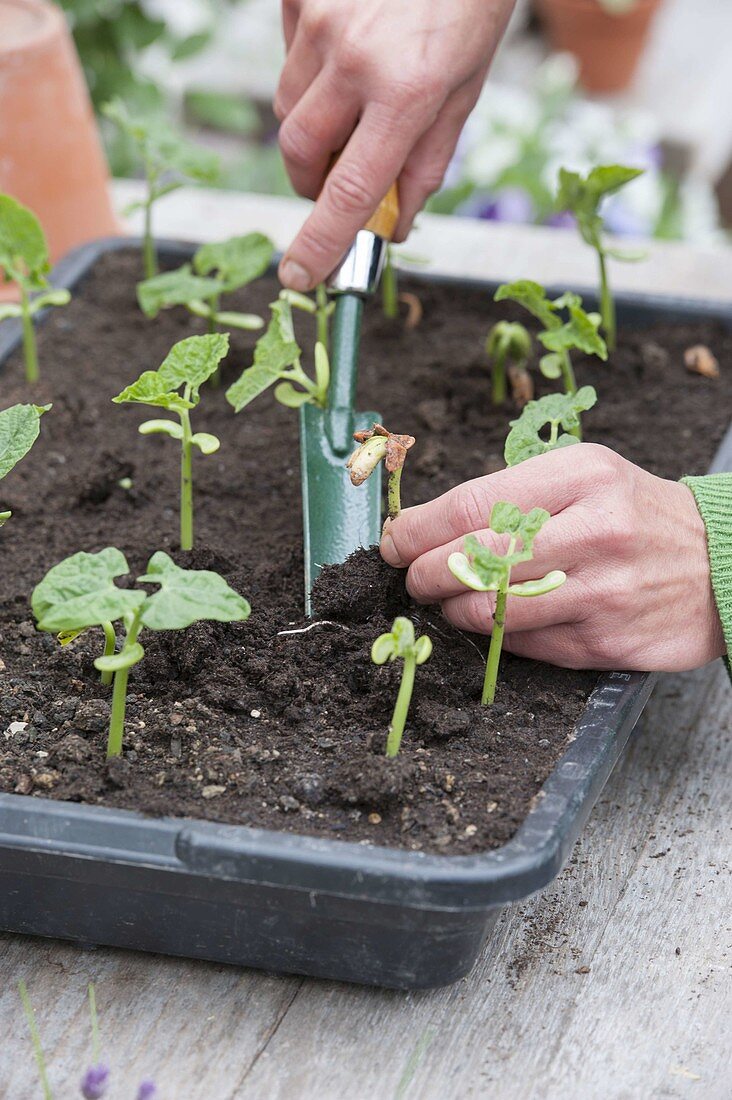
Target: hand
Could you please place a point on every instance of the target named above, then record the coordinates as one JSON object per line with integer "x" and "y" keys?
{"x": 638, "y": 593}
{"x": 389, "y": 82}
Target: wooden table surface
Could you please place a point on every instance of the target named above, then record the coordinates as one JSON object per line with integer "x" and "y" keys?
{"x": 614, "y": 984}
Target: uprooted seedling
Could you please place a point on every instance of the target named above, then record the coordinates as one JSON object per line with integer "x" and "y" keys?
{"x": 189, "y": 364}
{"x": 583, "y": 196}
{"x": 528, "y": 436}
{"x": 19, "y": 429}
{"x": 80, "y": 592}
{"x": 376, "y": 445}
{"x": 580, "y": 331}
{"x": 277, "y": 360}
{"x": 401, "y": 643}
{"x": 508, "y": 347}
{"x": 168, "y": 163}
{"x": 483, "y": 570}
{"x": 216, "y": 269}
{"x": 24, "y": 261}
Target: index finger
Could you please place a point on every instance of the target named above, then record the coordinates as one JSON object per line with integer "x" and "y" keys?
{"x": 355, "y": 186}
{"x": 553, "y": 481}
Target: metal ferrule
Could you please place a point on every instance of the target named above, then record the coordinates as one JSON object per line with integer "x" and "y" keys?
{"x": 360, "y": 270}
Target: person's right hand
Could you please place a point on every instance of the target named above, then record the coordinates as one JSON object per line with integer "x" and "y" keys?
{"x": 638, "y": 593}
{"x": 389, "y": 82}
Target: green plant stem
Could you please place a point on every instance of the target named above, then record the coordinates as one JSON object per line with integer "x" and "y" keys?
{"x": 321, "y": 297}
{"x": 393, "y": 493}
{"x": 401, "y": 707}
{"x": 390, "y": 288}
{"x": 607, "y": 303}
{"x": 186, "y": 483}
{"x": 35, "y": 1039}
{"x": 119, "y": 694}
{"x": 498, "y": 379}
{"x": 214, "y": 304}
{"x": 110, "y": 641}
{"x": 568, "y": 377}
{"x": 30, "y": 351}
{"x": 494, "y": 652}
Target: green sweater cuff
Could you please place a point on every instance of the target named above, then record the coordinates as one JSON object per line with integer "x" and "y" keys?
{"x": 713, "y": 495}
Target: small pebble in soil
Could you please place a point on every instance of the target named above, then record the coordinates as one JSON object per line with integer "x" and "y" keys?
{"x": 212, "y": 791}
{"x": 374, "y": 819}
{"x": 582, "y": 970}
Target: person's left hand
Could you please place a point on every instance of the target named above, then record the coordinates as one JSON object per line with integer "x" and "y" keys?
{"x": 638, "y": 593}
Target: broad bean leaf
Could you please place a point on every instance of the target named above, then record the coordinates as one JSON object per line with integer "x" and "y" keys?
{"x": 190, "y": 362}
{"x": 555, "y": 410}
{"x": 80, "y": 592}
{"x": 187, "y": 596}
{"x": 175, "y": 288}
{"x": 237, "y": 261}
{"x": 581, "y": 332}
{"x": 23, "y": 248}
{"x": 532, "y": 297}
{"x": 490, "y": 568}
{"x": 19, "y": 429}
{"x": 584, "y": 194}
{"x": 276, "y": 350}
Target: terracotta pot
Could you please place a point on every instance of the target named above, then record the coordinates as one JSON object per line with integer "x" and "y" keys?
{"x": 50, "y": 155}
{"x": 608, "y": 47}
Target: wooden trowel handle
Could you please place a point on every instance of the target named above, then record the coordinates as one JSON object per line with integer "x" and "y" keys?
{"x": 384, "y": 220}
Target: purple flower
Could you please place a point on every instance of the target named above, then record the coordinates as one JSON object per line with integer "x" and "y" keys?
{"x": 563, "y": 219}
{"x": 512, "y": 204}
{"x": 147, "y": 1090}
{"x": 94, "y": 1082}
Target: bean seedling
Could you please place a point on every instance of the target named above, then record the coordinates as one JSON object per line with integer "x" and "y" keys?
{"x": 380, "y": 445}
{"x": 216, "y": 269}
{"x": 555, "y": 411}
{"x": 189, "y": 364}
{"x": 24, "y": 261}
{"x": 583, "y": 196}
{"x": 168, "y": 163}
{"x": 483, "y": 570}
{"x": 559, "y": 337}
{"x": 19, "y": 429}
{"x": 80, "y": 592}
{"x": 401, "y": 642}
{"x": 508, "y": 346}
{"x": 277, "y": 359}
{"x": 322, "y": 309}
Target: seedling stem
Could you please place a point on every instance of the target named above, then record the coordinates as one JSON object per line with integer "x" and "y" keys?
{"x": 110, "y": 641}
{"x": 186, "y": 478}
{"x": 119, "y": 691}
{"x": 393, "y": 493}
{"x": 401, "y": 707}
{"x": 30, "y": 352}
{"x": 390, "y": 288}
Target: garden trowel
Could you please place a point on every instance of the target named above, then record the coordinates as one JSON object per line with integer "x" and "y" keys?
{"x": 339, "y": 517}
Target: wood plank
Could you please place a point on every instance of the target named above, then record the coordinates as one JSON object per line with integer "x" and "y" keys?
{"x": 453, "y": 246}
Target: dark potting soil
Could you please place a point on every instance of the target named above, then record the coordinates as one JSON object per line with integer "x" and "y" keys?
{"x": 277, "y": 722}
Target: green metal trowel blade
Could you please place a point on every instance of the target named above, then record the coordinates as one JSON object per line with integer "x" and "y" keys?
{"x": 338, "y": 517}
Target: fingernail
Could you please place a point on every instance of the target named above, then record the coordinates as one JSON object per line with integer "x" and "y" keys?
{"x": 388, "y": 548}
{"x": 294, "y": 276}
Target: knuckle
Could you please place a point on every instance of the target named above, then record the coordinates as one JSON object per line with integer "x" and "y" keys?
{"x": 603, "y": 465}
{"x": 349, "y": 194}
{"x": 315, "y": 20}
{"x": 467, "y": 510}
{"x": 352, "y": 55}
{"x": 296, "y": 143}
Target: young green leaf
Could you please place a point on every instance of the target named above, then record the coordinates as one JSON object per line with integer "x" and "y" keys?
{"x": 583, "y": 196}
{"x": 401, "y": 643}
{"x": 175, "y": 288}
{"x": 80, "y": 592}
{"x": 277, "y": 359}
{"x": 24, "y": 259}
{"x": 484, "y": 570}
{"x": 20, "y": 426}
{"x": 23, "y": 248}
{"x": 508, "y": 345}
{"x": 189, "y": 364}
{"x": 532, "y": 297}
{"x": 186, "y": 596}
{"x": 237, "y": 261}
{"x": 581, "y": 331}
{"x": 554, "y": 411}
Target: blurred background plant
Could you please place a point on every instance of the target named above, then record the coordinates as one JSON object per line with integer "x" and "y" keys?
{"x": 212, "y": 67}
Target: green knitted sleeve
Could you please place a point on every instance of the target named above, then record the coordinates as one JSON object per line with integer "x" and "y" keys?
{"x": 713, "y": 495}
